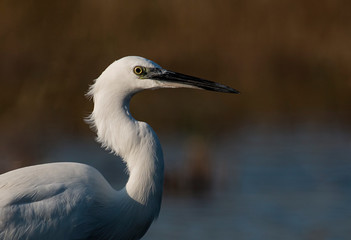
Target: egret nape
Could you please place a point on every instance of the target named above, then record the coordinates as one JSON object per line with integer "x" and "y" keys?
{"x": 73, "y": 201}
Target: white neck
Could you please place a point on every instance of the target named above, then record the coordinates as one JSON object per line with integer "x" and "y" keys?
{"x": 134, "y": 141}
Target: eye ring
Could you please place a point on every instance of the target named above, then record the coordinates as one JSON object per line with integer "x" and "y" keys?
{"x": 138, "y": 70}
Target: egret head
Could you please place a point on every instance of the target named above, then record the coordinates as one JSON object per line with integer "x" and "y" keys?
{"x": 133, "y": 74}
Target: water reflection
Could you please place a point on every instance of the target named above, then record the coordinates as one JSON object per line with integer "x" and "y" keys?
{"x": 193, "y": 175}
{"x": 270, "y": 183}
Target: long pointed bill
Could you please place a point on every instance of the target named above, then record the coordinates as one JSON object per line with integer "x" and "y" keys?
{"x": 181, "y": 79}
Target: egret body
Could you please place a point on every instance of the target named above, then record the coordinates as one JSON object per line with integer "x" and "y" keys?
{"x": 73, "y": 201}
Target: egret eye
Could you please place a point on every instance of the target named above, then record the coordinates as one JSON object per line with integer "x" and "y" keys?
{"x": 138, "y": 70}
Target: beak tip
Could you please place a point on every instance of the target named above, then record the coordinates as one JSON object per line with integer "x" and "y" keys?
{"x": 235, "y": 91}
{"x": 232, "y": 90}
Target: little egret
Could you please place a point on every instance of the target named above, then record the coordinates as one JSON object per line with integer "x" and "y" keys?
{"x": 73, "y": 201}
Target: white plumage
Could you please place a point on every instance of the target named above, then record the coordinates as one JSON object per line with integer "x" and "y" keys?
{"x": 74, "y": 201}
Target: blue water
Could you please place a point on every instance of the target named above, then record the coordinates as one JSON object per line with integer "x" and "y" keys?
{"x": 266, "y": 183}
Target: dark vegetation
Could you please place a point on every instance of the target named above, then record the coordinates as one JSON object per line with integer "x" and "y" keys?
{"x": 290, "y": 59}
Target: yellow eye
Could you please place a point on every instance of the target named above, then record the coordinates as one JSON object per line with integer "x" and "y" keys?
{"x": 138, "y": 70}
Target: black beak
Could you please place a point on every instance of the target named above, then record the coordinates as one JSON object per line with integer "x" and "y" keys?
{"x": 169, "y": 76}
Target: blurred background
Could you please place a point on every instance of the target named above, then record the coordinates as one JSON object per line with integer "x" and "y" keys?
{"x": 273, "y": 162}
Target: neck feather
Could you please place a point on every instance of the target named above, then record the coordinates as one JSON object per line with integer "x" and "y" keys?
{"x": 134, "y": 141}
